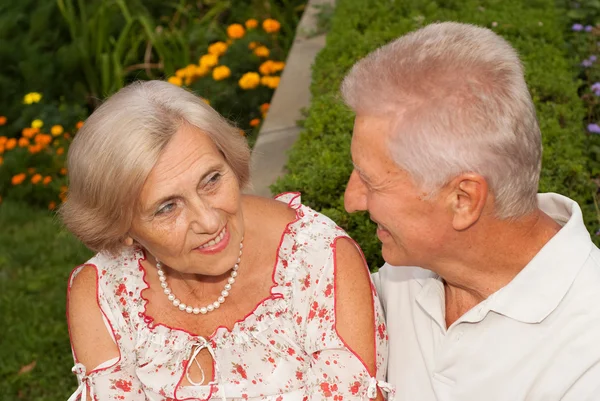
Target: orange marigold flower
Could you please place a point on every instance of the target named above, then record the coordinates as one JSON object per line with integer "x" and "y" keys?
{"x": 56, "y": 130}
{"x": 79, "y": 125}
{"x": 1, "y": 160}
{"x": 63, "y": 171}
{"x": 175, "y": 81}
{"x": 47, "y": 180}
{"x": 249, "y": 80}
{"x": 35, "y": 149}
{"x": 208, "y": 61}
{"x": 270, "y": 82}
{"x": 11, "y": 143}
{"x": 262, "y": 51}
{"x": 3, "y": 140}
{"x": 271, "y": 26}
{"x": 264, "y": 107}
{"x": 2, "y": 120}
{"x": 52, "y": 205}
{"x": 278, "y": 66}
{"x": 266, "y": 68}
{"x": 29, "y": 132}
{"x": 36, "y": 178}
{"x": 217, "y": 48}
{"x": 18, "y": 179}
{"x": 236, "y": 31}
{"x": 60, "y": 151}
{"x": 67, "y": 135}
{"x": 31, "y": 170}
{"x": 1, "y": 149}
{"x": 221, "y": 72}
{"x": 251, "y": 23}
{"x": 23, "y": 142}
{"x": 253, "y": 45}
{"x": 63, "y": 189}
{"x": 254, "y": 122}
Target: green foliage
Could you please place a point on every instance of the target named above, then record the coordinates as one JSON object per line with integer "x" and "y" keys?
{"x": 36, "y": 257}
{"x": 320, "y": 163}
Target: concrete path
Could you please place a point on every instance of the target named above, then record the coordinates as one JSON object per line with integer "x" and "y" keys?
{"x": 280, "y": 130}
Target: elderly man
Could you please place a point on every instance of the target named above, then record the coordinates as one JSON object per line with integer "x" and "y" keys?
{"x": 505, "y": 303}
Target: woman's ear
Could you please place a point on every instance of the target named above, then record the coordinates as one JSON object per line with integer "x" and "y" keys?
{"x": 128, "y": 241}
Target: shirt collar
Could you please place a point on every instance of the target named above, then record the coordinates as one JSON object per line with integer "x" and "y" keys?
{"x": 539, "y": 288}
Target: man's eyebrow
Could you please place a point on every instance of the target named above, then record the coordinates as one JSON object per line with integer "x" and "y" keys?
{"x": 361, "y": 173}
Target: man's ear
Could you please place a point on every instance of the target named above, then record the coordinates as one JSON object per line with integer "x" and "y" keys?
{"x": 467, "y": 196}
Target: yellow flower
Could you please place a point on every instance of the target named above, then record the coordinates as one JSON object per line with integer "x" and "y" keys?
{"x": 249, "y": 80}
{"x": 253, "y": 45}
{"x": 175, "y": 81}
{"x": 32, "y": 97}
{"x": 271, "y": 25}
{"x": 251, "y": 23}
{"x": 221, "y": 72}
{"x": 236, "y": 31}
{"x": 37, "y": 123}
{"x": 205, "y": 100}
{"x": 180, "y": 73}
{"x": 208, "y": 60}
{"x": 217, "y": 48}
{"x": 2, "y": 120}
{"x": 271, "y": 82}
{"x": 56, "y": 130}
{"x": 254, "y": 122}
{"x": 262, "y": 51}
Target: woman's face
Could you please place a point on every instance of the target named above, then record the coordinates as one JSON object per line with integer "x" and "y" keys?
{"x": 189, "y": 214}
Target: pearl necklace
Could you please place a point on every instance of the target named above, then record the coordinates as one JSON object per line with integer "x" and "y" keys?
{"x": 205, "y": 309}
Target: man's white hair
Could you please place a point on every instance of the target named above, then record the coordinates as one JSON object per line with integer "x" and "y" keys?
{"x": 459, "y": 102}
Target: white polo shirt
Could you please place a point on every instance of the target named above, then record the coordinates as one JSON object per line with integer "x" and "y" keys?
{"x": 536, "y": 339}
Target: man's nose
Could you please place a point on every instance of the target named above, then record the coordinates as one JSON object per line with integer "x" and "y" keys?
{"x": 355, "y": 197}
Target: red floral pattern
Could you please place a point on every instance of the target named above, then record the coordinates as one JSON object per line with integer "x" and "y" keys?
{"x": 287, "y": 349}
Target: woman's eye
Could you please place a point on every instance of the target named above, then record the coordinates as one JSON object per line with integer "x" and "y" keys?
{"x": 165, "y": 208}
{"x": 213, "y": 179}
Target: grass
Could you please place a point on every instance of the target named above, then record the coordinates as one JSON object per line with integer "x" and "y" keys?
{"x": 36, "y": 257}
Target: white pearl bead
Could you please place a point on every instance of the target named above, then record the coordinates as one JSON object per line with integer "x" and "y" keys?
{"x": 225, "y": 293}
{"x": 176, "y": 302}
{"x": 171, "y": 297}
{"x": 221, "y": 300}
{"x": 167, "y": 290}
{"x": 189, "y": 309}
{"x": 231, "y": 280}
{"x": 234, "y": 274}
{"x": 160, "y": 272}
{"x": 210, "y": 308}
{"x": 203, "y": 310}
{"x": 182, "y": 306}
{"x": 238, "y": 260}
{"x": 227, "y": 287}
{"x": 241, "y": 245}
{"x": 162, "y": 279}
{"x": 216, "y": 304}
{"x": 163, "y": 285}
{"x": 236, "y": 267}
{"x": 196, "y": 311}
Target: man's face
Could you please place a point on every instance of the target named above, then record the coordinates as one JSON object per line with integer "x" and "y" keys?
{"x": 412, "y": 230}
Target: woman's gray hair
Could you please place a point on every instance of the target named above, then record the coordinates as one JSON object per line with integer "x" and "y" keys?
{"x": 459, "y": 102}
{"x": 119, "y": 144}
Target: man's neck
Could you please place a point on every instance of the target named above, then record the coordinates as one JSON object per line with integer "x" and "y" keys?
{"x": 497, "y": 251}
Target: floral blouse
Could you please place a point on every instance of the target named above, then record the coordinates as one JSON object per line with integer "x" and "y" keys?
{"x": 287, "y": 349}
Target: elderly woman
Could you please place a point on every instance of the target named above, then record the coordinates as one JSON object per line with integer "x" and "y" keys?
{"x": 199, "y": 292}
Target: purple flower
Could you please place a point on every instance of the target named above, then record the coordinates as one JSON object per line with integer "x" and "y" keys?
{"x": 588, "y": 28}
{"x": 577, "y": 27}
{"x": 586, "y": 63}
{"x": 593, "y": 58}
{"x": 596, "y": 88}
{"x": 594, "y": 128}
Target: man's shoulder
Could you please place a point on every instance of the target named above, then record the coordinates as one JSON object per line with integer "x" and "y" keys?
{"x": 398, "y": 279}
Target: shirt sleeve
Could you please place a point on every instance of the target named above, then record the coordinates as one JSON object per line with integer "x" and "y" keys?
{"x": 587, "y": 387}
{"x": 336, "y": 372}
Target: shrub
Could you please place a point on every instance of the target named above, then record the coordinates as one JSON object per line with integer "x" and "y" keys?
{"x": 319, "y": 163}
